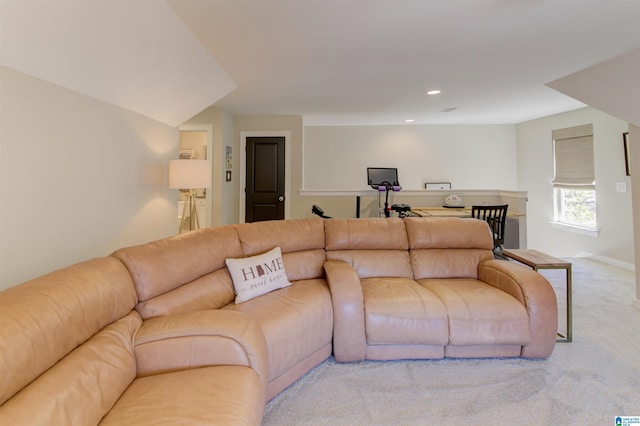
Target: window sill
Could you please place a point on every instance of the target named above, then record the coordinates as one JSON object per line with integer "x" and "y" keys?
{"x": 591, "y": 232}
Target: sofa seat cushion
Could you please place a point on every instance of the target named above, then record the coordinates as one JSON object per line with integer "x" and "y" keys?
{"x": 399, "y": 311}
{"x": 218, "y": 395}
{"x": 480, "y": 314}
{"x": 296, "y": 321}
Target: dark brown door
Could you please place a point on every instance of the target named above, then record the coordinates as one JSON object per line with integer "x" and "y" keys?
{"x": 265, "y": 178}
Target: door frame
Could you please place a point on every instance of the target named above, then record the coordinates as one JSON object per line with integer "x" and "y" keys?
{"x": 243, "y": 169}
{"x": 216, "y": 185}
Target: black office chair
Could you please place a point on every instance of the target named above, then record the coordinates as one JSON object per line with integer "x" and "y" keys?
{"x": 496, "y": 217}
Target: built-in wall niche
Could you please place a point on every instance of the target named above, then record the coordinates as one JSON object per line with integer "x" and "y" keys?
{"x": 194, "y": 143}
{"x": 193, "y": 146}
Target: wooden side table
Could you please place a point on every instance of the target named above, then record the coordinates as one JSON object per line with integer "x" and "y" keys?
{"x": 538, "y": 260}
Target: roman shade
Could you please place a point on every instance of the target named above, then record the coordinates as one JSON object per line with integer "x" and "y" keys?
{"x": 573, "y": 157}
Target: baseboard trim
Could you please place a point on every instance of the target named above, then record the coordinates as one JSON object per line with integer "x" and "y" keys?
{"x": 609, "y": 261}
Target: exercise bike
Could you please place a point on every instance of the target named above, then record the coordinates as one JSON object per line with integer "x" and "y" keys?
{"x": 402, "y": 209}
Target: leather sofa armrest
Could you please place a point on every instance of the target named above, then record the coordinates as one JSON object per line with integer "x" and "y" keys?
{"x": 534, "y": 291}
{"x": 199, "y": 339}
{"x": 349, "y": 341}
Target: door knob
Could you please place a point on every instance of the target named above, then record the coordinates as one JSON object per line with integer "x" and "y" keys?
{"x": 281, "y": 198}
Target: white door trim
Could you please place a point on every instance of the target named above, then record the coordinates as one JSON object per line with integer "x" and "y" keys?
{"x": 243, "y": 169}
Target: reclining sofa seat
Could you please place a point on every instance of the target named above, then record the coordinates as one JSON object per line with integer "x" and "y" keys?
{"x": 72, "y": 351}
{"x": 187, "y": 273}
{"x": 297, "y": 320}
{"x": 417, "y": 288}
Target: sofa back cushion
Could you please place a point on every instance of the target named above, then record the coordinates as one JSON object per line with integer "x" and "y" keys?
{"x": 83, "y": 386}
{"x": 183, "y": 273}
{"x": 50, "y": 344}
{"x": 300, "y": 240}
{"x": 374, "y": 247}
{"x": 448, "y": 247}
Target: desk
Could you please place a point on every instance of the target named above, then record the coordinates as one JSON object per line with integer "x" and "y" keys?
{"x": 538, "y": 260}
{"x": 451, "y": 212}
{"x": 441, "y": 212}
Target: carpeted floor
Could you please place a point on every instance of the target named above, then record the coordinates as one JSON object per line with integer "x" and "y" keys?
{"x": 587, "y": 382}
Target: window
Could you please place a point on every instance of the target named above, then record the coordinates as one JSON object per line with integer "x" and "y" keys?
{"x": 574, "y": 181}
{"x": 576, "y": 207}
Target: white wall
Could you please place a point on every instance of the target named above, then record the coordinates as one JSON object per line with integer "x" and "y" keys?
{"x": 634, "y": 141}
{"x": 79, "y": 178}
{"x": 230, "y": 193}
{"x": 468, "y": 156}
{"x": 224, "y": 197}
{"x": 535, "y": 172}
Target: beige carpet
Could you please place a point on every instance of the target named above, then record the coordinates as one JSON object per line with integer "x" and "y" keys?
{"x": 587, "y": 382}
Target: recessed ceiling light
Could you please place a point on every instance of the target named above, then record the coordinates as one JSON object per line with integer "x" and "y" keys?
{"x": 433, "y": 92}
{"x": 409, "y": 120}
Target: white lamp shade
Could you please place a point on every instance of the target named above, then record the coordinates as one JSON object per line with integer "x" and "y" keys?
{"x": 189, "y": 174}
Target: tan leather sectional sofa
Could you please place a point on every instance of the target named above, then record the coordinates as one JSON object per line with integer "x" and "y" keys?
{"x": 151, "y": 333}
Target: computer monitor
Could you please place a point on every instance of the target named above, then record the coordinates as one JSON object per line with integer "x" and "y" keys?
{"x": 382, "y": 176}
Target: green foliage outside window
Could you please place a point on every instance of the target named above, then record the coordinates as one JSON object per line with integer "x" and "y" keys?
{"x": 576, "y": 207}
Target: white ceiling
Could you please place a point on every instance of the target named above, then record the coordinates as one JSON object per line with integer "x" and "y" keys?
{"x": 371, "y": 61}
{"x": 336, "y": 62}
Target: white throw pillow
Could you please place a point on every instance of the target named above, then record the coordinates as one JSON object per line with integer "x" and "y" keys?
{"x": 257, "y": 275}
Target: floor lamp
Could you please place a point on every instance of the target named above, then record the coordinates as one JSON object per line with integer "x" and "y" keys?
{"x": 188, "y": 175}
